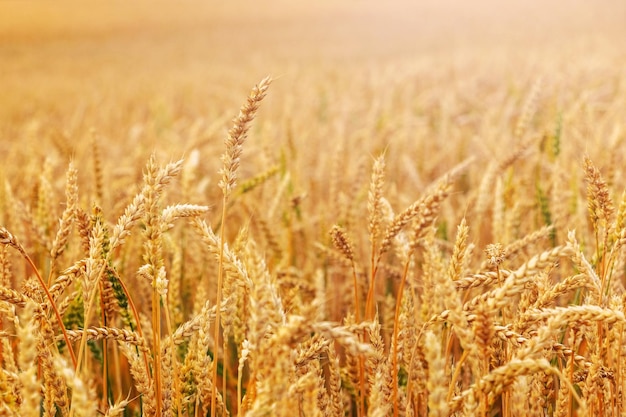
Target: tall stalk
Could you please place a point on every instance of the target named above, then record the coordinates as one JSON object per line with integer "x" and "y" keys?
{"x": 230, "y": 159}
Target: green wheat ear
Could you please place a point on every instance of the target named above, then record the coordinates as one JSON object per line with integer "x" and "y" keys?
{"x": 74, "y": 316}
{"x": 122, "y": 300}
{"x": 96, "y": 350}
{"x": 258, "y": 179}
{"x": 118, "y": 290}
{"x": 544, "y": 209}
{"x": 556, "y": 140}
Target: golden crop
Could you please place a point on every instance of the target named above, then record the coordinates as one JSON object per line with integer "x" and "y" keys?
{"x": 419, "y": 211}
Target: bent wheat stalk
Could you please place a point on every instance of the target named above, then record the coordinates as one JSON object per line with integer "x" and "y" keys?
{"x": 7, "y": 238}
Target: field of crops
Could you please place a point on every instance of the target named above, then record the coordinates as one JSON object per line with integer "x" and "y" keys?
{"x": 342, "y": 208}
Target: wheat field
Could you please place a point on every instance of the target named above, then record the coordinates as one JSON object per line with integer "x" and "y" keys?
{"x": 342, "y": 208}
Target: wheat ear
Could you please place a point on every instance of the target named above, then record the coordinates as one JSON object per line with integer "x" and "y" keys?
{"x": 601, "y": 212}
{"x": 230, "y": 159}
{"x": 343, "y": 244}
{"x": 7, "y": 238}
{"x": 65, "y": 224}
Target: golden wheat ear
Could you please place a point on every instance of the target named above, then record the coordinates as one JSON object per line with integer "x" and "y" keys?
{"x": 238, "y": 134}
{"x": 8, "y": 239}
{"x": 230, "y": 165}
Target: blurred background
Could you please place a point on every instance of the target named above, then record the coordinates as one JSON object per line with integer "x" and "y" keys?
{"x": 64, "y": 53}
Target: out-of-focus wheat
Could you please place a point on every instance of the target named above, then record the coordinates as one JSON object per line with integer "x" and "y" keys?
{"x": 497, "y": 290}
